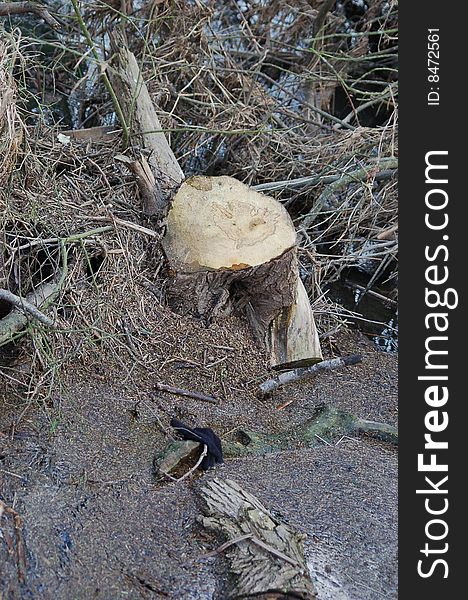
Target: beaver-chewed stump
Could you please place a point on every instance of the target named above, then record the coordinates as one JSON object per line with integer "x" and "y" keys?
{"x": 231, "y": 248}
{"x": 266, "y": 556}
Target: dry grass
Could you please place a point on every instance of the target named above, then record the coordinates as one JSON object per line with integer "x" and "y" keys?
{"x": 242, "y": 92}
{"x": 11, "y": 127}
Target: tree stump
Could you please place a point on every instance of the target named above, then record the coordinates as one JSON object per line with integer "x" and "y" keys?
{"x": 231, "y": 248}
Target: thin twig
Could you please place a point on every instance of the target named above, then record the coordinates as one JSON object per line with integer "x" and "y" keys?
{"x": 193, "y": 469}
{"x": 162, "y": 387}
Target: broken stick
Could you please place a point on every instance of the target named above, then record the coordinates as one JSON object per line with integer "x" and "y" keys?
{"x": 21, "y": 8}
{"x": 162, "y": 387}
{"x": 271, "y": 385}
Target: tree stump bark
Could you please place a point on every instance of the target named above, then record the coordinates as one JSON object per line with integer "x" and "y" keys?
{"x": 231, "y": 248}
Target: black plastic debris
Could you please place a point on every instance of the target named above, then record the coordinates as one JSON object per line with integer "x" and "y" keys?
{"x": 204, "y": 435}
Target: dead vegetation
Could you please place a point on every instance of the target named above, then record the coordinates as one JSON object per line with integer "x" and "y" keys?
{"x": 249, "y": 90}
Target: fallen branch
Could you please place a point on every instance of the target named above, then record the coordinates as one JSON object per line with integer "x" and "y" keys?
{"x": 324, "y": 427}
{"x": 27, "y": 307}
{"x": 160, "y": 174}
{"x": 271, "y": 385}
{"x": 311, "y": 180}
{"x": 162, "y": 387}
{"x": 266, "y": 556}
{"x": 41, "y": 298}
{"x": 327, "y": 425}
{"x": 20, "y": 8}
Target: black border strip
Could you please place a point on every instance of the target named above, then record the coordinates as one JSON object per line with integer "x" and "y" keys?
{"x": 434, "y": 126}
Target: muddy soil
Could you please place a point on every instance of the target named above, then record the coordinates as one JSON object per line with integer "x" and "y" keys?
{"x": 97, "y": 523}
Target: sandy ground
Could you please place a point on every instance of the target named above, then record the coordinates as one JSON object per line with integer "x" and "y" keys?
{"x": 98, "y": 524}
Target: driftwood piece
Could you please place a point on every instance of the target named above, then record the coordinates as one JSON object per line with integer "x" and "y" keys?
{"x": 271, "y": 385}
{"x": 231, "y": 248}
{"x": 164, "y": 173}
{"x": 266, "y": 556}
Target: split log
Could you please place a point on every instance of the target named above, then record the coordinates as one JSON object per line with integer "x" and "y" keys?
{"x": 230, "y": 247}
{"x": 294, "y": 336}
{"x": 266, "y": 556}
{"x": 157, "y": 170}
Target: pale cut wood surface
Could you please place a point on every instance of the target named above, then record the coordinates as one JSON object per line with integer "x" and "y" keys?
{"x": 294, "y": 337}
{"x": 221, "y": 223}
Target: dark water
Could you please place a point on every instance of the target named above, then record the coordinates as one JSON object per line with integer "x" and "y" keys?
{"x": 374, "y": 316}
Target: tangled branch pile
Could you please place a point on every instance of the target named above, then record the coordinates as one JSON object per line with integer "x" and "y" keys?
{"x": 296, "y": 98}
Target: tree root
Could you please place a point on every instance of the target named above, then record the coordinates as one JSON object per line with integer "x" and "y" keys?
{"x": 327, "y": 425}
